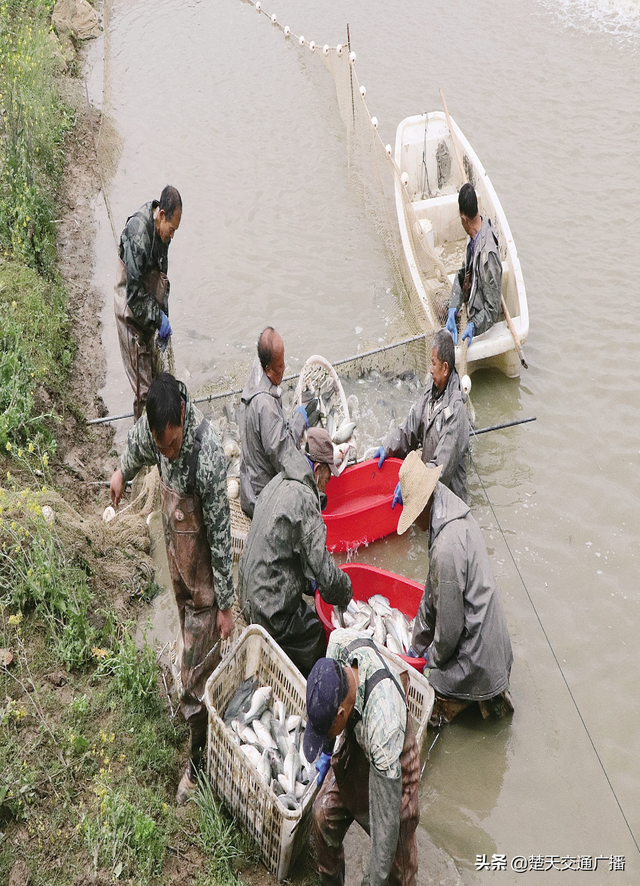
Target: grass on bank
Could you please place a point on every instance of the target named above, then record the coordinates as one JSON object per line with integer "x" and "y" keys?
{"x": 36, "y": 351}
{"x": 89, "y": 755}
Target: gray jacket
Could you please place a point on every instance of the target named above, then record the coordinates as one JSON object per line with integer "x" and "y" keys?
{"x": 485, "y": 298}
{"x": 265, "y": 435}
{"x": 286, "y": 550}
{"x": 440, "y": 426}
{"x": 461, "y": 627}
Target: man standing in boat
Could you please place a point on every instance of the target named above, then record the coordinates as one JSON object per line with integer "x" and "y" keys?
{"x": 478, "y": 284}
{"x": 195, "y": 513}
{"x": 265, "y": 435}
{"x": 460, "y": 629}
{"x": 285, "y": 554}
{"x": 142, "y": 290}
{"x": 437, "y": 423}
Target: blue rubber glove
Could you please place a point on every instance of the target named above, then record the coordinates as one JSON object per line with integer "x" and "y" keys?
{"x": 451, "y": 325}
{"x": 380, "y": 454}
{"x": 165, "y": 328}
{"x": 314, "y": 586}
{"x": 322, "y": 766}
{"x": 397, "y": 497}
{"x": 303, "y": 411}
{"x": 469, "y": 331}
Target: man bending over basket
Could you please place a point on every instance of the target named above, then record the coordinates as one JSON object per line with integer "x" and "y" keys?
{"x": 374, "y": 774}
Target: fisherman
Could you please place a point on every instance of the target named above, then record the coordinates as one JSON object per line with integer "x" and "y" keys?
{"x": 478, "y": 284}
{"x": 285, "y": 554}
{"x": 142, "y": 290}
{"x": 460, "y": 629}
{"x": 265, "y": 435}
{"x": 437, "y": 423}
{"x": 374, "y": 774}
{"x": 195, "y": 509}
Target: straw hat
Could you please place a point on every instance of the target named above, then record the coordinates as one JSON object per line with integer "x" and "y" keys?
{"x": 417, "y": 482}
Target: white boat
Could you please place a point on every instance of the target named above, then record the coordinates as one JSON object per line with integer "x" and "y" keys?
{"x": 434, "y": 240}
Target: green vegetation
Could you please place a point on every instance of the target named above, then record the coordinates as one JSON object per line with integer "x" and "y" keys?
{"x": 34, "y": 124}
{"x": 35, "y": 350}
{"x": 90, "y": 752}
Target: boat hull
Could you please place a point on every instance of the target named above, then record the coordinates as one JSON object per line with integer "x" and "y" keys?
{"x": 432, "y": 187}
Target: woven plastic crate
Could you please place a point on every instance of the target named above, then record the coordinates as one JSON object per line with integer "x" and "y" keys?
{"x": 280, "y": 833}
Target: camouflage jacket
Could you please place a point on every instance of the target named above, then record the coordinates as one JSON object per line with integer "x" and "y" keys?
{"x": 211, "y": 486}
{"x": 382, "y": 722}
{"x": 142, "y": 250}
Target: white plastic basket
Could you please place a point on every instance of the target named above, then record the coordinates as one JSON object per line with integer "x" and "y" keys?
{"x": 280, "y": 833}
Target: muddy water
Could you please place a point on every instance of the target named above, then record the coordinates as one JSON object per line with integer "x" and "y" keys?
{"x": 212, "y": 98}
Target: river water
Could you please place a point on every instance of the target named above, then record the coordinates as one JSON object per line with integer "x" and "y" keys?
{"x": 211, "y": 98}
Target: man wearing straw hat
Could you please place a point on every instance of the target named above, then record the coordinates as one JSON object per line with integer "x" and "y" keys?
{"x": 460, "y": 629}
{"x": 437, "y": 424}
{"x": 285, "y": 554}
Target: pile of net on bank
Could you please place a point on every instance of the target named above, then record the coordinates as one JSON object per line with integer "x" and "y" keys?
{"x": 378, "y": 619}
{"x": 271, "y": 740}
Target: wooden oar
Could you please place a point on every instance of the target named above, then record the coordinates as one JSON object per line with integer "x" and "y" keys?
{"x": 507, "y": 315}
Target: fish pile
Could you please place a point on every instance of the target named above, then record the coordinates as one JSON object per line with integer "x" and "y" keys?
{"x": 271, "y": 739}
{"x": 379, "y": 620}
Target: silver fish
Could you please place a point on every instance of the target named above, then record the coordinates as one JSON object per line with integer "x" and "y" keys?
{"x": 249, "y": 736}
{"x": 379, "y": 629}
{"x": 353, "y": 607}
{"x": 264, "y": 736}
{"x": 281, "y": 736}
{"x": 380, "y": 604}
{"x": 344, "y": 432}
{"x": 292, "y": 722}
{"x": 330, "y": 424}
{"x": 259, "y": 702}
{"x": 393, "y": 630}
{"x": 284, "y": 781}
{"x": 279, "y": 711}
{"x": 393, "y": 645}
{"x": 264, "y": 767}
{"x": 292, "y": 767}
{"x": 252, "y": 753}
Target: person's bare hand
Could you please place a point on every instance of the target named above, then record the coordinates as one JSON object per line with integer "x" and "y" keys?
{"x": 116, "y": 487}
{"x": 225, "y": 622}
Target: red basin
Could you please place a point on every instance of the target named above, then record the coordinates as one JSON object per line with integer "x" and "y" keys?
{"x": 359, "y": 504}
{"x": 402, "y": 593}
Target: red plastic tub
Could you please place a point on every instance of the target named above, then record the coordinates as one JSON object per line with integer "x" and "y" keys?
{"x": 402, "y": 593}
{"x": 359, "y": 504}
